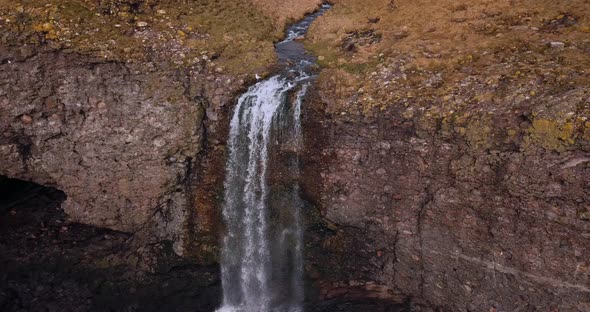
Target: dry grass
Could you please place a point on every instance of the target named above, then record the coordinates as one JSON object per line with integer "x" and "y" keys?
{"x": 453, "y": 39}
{"x": 286, "y": 11}
{"x": 230, "y": 36}
{"x": 448, "y": 26}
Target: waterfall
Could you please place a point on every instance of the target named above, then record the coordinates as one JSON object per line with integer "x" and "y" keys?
{"x": 262, "y": 255}
{"x": 262, "y": 263}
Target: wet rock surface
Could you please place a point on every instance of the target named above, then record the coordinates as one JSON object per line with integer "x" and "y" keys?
{"x": 358, "y": 306}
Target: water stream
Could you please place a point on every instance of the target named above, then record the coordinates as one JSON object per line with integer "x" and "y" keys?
{"x": 262, "y": 256}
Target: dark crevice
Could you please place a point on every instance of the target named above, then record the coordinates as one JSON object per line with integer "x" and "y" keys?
{"x": 21, "y": 201}
{"x": 24, "y": 147}
{"x": 420, "y": 220}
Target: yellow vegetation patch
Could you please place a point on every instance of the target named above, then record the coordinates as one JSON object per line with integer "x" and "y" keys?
{"x": 552, "y": 135}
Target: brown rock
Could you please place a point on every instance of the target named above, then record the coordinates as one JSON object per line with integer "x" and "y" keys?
{"x": 50, "y": 103}
{"x": 26, "y": 119}
{"x": 86, "y": 157}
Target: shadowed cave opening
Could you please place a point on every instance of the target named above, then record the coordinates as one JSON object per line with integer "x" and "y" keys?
{"x": 23, "y": 202}
{"x": 50, "y": 263}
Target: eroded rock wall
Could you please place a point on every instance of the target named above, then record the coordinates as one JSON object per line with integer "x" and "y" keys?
{"x": 124, "y": 105}
{"x": 448, "y": 154}
{"x": 489, "y": 216}
{"x": 117, "y": 139}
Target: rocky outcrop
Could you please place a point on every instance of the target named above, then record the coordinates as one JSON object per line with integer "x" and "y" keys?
{"x": 117, "y": 139}
{"x": 129, "y": 118}
{"x": 447, "y": 155}
{"x": 49, "y": 263}
{"x": 447, "y": 145}
{"x": 433, "y": 218}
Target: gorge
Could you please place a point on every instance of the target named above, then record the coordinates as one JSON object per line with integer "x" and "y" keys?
{"x": 432, "y": 156}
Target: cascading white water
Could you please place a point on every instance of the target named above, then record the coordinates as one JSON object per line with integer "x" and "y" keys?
{"x": 248, "y": 258}
{"x": 262, "y": 256}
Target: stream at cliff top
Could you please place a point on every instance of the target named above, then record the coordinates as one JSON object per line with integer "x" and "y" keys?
{"x": 262, "y": 256}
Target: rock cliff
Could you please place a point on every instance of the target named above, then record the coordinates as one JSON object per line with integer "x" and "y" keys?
{"x": 447, "y": 145}
{"x": 110, "y": 102}
{"x": 448, "y": 154}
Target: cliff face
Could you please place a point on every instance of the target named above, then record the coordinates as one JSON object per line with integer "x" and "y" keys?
{"x": 117, "y": 140}
{"x": 123, "y": 106}
{"x": 113, "y": 103}
{"x": 447, "y": 145}
{"x": 451, "y": 164}
{"x": 428, "y": 215}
